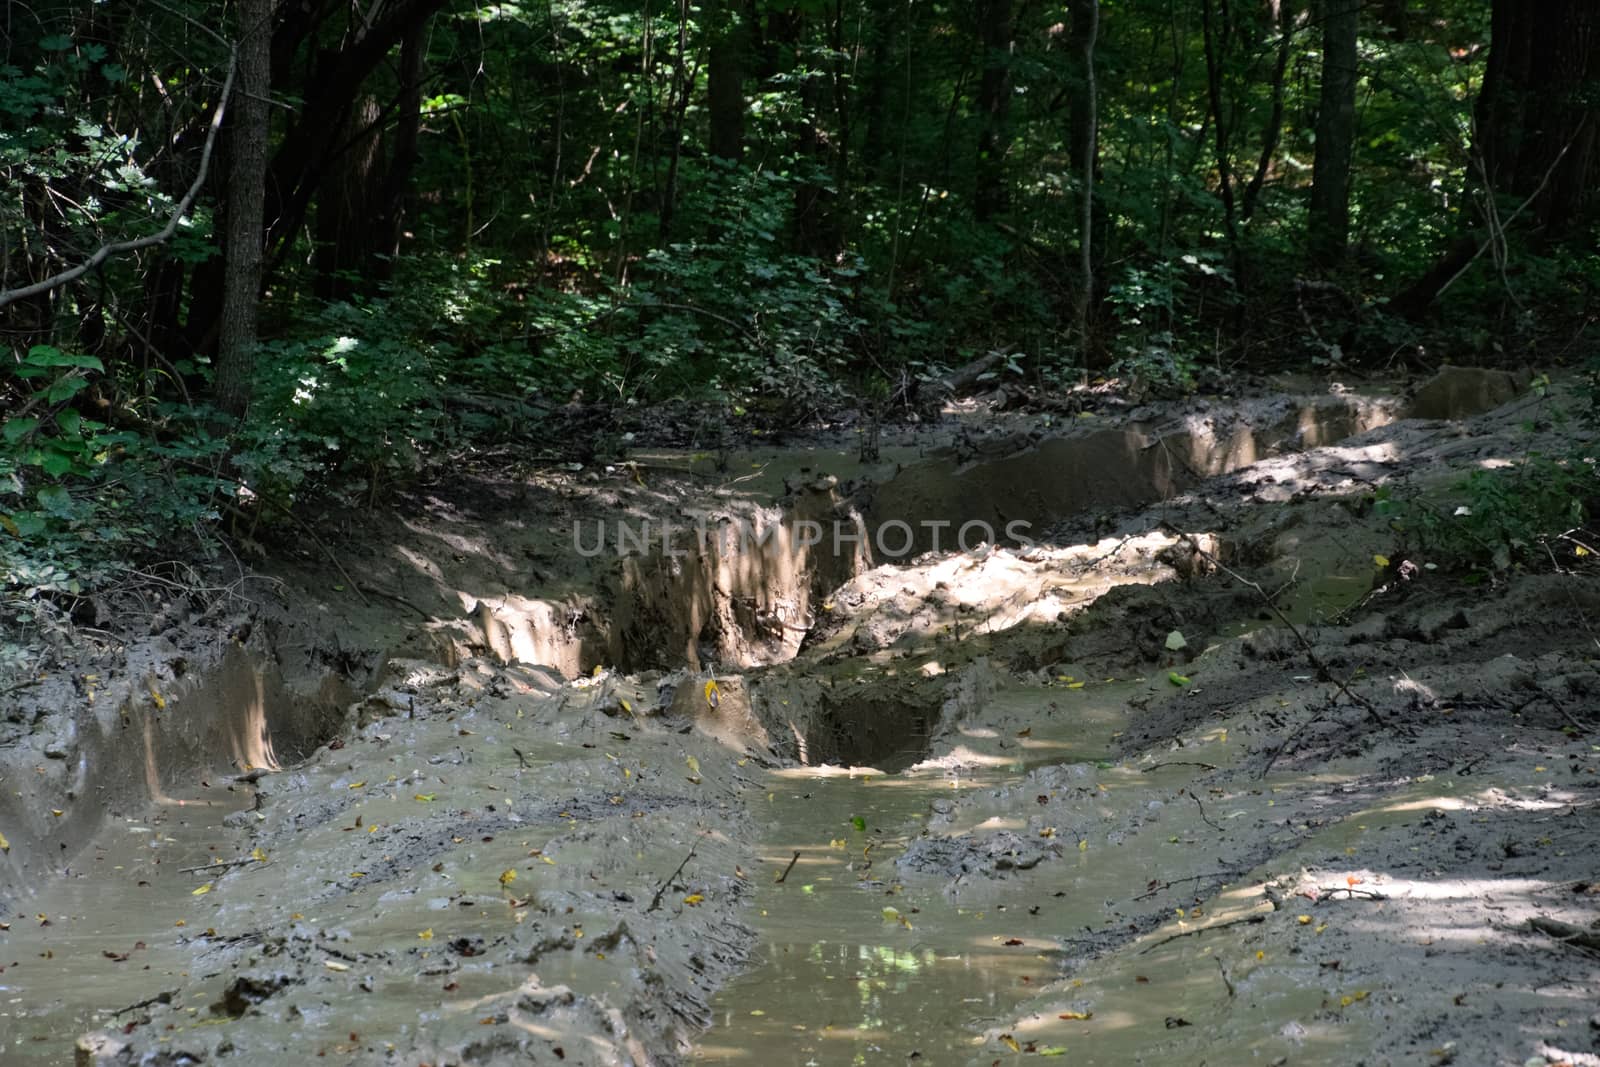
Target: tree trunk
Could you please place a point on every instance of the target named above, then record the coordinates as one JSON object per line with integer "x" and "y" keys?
{"x": 346, "y": 203}
{"x": 1086, "y": 151}
{"x": 1274, "y": 128}
{"x": 403, "y": 158}
{"x": 1537, "y": 115}
{"x": 991, "y": 194}
{"x": 1329, "y": 221}
{"x": 725, "y": 66}
{"x": 247, "y": 169}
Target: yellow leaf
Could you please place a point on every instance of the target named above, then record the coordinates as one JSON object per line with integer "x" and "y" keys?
{"x": 1303, "y": 920}
{"x": 508, "y": 876}
{"x": 693, "y": 899}
{"x": 627, "y": 707}
{"x": 1083, "y": 845}
{"x": 158, "y": 700}
{"x": 1076, "y": 1016}
{"x": 57, "y": 812}
{"x": 358, "y": 874}
{"x": 258, "y": 855}
{"x": 1010, "y": 1042}
{"x": 547, "y": 859}
{"x": 180, "y": 922}
{"x": 598, "y": 669}
{"x": 426, "y": 935}
{"x": 837, "y": 842}
{"x": 1381, "y": 560}
{"x": 5, "y": 846}
{"x": 1260, "y": 955}
{"x": 424, "y": 797}
{"x": 1580, "y": 551}
{"x": 356, "y": 785}
{"x": 713, "y": 694}
{"x": 202, "y": 891}
{"x": 694, "y": 766}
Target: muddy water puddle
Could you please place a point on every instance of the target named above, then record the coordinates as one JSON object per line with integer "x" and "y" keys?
{"x": 859, "y": 964}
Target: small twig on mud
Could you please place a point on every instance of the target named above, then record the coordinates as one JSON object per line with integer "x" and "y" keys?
{"x": 159, "y": 998}
{"x": 792, "y": 861}
{"x": 1147, "y": 894}
{"x": 1322, "y": 669}
{"x": 220, "y": 864}
{"x": 1178, "y": 763}
{"x": 1247, "y": 920}
{"x": 1224, "y": 972}
{"x": 1566, "y": 933}
{"x": 1352, "y": 891}
{"x": 520, "y": 757}
{"x": 1204, "y": 817}
{"x": 655, "y": 901}
{"x": 1089, "y": 565}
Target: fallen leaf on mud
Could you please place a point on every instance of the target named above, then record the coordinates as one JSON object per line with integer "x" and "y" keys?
{"x": 1052, "y": 1050}
{"x": 1083, "y": 845}
{"x": 1303, "y": 920}
{"x": 356, "y": 785}
{"x": 892, "y": 915}
{"x": 1076, "y": 1016}
{"x": 1175, "y": 1021}
{"x": 713, "y": 694}
{"x": 837, "y": 842}
{"x": 507, "y": 876}
{"x": 694, "y": 899}
{"x": 425, "y": 798}
{"x": 1076, "y": 685}
{"x": 858, "y": 822}
{"x": 57, "y": 812}
{"x": 202, "y": 891}
{"x": 1141, "y": 979}
{"x": 5, "y": 846}
{"x": 335, "y": 965}
{"x": 1012, "y": 942}
{"x": 1177, "y": 679}
{"x": 1025, "y": 733}
{"x": 1010, "y": 1042}
{"x": 1381, "y": 560}
{"x": 258, "y": 855}
{"x": 426, "y": 935}
{"x": 694, "y": 769}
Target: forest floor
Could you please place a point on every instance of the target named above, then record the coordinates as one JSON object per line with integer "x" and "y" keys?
{"x": 450, "y": 785}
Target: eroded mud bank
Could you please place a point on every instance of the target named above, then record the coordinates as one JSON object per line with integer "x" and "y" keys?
{"x": 820, "y": 807}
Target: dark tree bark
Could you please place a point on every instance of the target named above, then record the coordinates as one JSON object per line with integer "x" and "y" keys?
{"x": 249, "y": 129}
{"x": 347, "y": 202}
{"x": 725, "y": 67}
{"x": 1329, "y": 220}
{"x": 1538, "y": 115}
{"x": 403, "y": 157}
{"x": 992, "y": 195}
{"x": 1538, "y": 131}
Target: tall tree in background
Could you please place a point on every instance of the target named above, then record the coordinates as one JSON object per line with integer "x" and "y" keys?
{"x": 725, "y": 65}
{"x": 1329, "y": 221}
{"x": 1538, "y": 115}
{"x": 993, "y": 196}
{"x": 247, "y": 171}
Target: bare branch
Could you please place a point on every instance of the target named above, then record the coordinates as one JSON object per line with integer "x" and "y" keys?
{"x": 161, "y": 236}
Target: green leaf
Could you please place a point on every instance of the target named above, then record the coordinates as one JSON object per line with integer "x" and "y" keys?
{"x": 15, "y": 430}
{"x": 1177, "y": 679}
{"x": 858, "y": 822}
{"x": 55, "y": 500}
{"x": 58, "y": 42}
{"x": 56, "y": 464}
{"x": 69, "y": 421}
{"x": 65, "y": 388}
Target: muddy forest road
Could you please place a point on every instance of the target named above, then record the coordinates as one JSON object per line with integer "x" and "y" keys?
{"x": 474, "y": 797}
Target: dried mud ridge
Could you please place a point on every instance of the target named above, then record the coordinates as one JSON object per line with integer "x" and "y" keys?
{"x": 344, "y": 832}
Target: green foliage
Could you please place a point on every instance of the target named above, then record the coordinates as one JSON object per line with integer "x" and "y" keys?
{"x": 78, "y": 497}
{"x": 1495, "y": 519}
